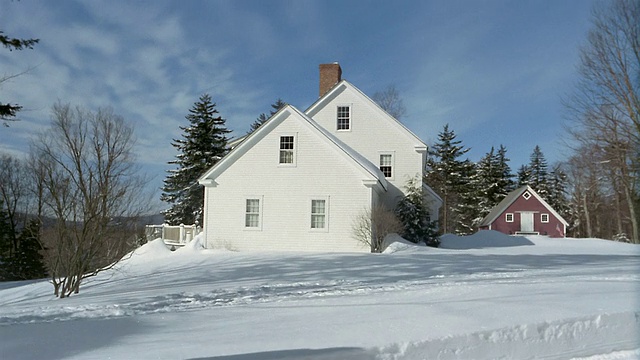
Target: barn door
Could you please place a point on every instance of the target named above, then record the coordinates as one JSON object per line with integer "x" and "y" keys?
{"x": 526, "y": 222}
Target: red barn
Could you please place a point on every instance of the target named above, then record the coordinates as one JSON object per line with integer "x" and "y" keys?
{"x": 523, "y": 211}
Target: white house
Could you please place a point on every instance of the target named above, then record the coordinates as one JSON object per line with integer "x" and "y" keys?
{"x": 301, "y": 179}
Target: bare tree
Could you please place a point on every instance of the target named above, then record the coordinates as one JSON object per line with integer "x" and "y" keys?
{"x": 13, "y": 193}
{"x": 389, "y": 99}
{"x": 606, "y": 102}
{"x": 91, "y": 188}
{"x": 373, "y": 225}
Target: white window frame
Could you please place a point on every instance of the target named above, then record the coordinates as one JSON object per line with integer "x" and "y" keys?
{"x": 544, "y": 218}
{"x": 507, "y": 216}
{"x": 292, "y": 151}
{"x": 392, "y": 165}
{"x": 325, "y": 228}
{"x": 349, "y": 118}
{"x": 247, "y": 213}
{"x": 527, "y": 195}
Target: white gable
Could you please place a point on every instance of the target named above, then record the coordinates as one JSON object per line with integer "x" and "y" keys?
{"x": 370, "y": 172}
{"x": 323, "y": 168}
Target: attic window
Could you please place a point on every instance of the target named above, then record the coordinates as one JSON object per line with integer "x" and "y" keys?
{"x": 286, "y": 149}
{"x": 344, "y": 118}
{"x": 386, "y": 165}
{"x": 526, "y": 195}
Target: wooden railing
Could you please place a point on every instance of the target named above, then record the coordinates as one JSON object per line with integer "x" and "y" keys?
{"x": 172, "y": 235}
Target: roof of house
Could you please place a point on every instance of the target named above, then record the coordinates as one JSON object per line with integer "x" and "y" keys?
{"x": 510, "y": 199}
{"x": 249, "y": 141}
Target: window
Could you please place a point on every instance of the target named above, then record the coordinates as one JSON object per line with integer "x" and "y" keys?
{"x": 344, "y": 117}
{"x": 544, "y": 218}
{"x": 526, "y": 195}
{"x": 286, "y": 149}
{"x": 509, "y": 217}
{"x": 252, "y": 213}
{"x": 386, "y": 165}
{"x": 318, "y": 214}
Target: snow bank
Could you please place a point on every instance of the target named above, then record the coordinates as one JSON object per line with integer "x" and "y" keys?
{"x": 564, "y": 339}
{"x": 394, "y": 243}
{"x": 482, "y": 239}
{"x": 195, "y": 245}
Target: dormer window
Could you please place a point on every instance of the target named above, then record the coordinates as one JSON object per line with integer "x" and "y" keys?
{"x": 286, "y": 149}
{"x": 344, "y": 118}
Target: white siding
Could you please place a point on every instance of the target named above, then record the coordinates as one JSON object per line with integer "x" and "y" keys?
{"x": 373, "y": 132}
{"x": 286, "y": 191}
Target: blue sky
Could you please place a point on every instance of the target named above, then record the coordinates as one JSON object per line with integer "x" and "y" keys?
{"x": 495, "y": 71}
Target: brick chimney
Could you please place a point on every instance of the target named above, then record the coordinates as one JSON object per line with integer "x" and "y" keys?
{"x": 330, "y": 74}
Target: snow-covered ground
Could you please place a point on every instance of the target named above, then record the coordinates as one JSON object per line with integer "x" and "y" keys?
{"x": 484, "y": 296}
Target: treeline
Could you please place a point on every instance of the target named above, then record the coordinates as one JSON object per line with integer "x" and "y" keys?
{"x": 587, "y": 191}
{"x": 470, "y": 190}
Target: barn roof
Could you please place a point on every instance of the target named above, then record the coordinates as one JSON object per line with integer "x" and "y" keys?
{"x": 510, "y": 199}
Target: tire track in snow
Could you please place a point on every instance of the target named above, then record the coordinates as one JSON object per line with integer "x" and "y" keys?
{"x": 271, "y": 293}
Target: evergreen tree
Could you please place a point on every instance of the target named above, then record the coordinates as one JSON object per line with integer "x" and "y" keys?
{"x": 203, "y": 144}
{"x": 506, "y": 183}
{"x": 413, "y": 212}
{"x": 494, "y": 181}
{"x": 524, "y": 176}
{"x": 469, "y": 194}
{"x": 279, "y": 104}
{"x": 6, "y": 244}
{"x": 557, "y": 197}
{"x": 8, "y": 111}
{"x": 538, "y": 173}
{"x": 28, "y": 262}
{"x": 445, "y": 173}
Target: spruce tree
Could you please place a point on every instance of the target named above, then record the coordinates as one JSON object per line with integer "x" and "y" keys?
{"x": 6, "y": 244}
{"x": 524, "y": 176}
{"x": 28, "y": 262}
{"x": 494, "y": 181}
{"x": 279, "y": 104}
{"x": 445, "y": 173}
{"x": 538, "y": 173}
{"x": 469, "y": 194}
{"x": 413, "y": 212}
{"x": 203, "y": 144}
{"x": 557, "y": 197}
{"x": 506, "y": 184}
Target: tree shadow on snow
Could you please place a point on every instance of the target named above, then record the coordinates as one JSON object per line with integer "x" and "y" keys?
{"x": 346, "y": 353}
{"x": 63, "y": 339}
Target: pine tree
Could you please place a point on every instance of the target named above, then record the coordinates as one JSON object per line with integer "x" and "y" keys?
{"x": 494, "y": 181}
{"x": 413, "y": 212}
{"x": 446, "y": 174}
{"x": 6, "y": 244}
{"x": 538, "y": 173}
{"x": 524, "y": 176}
{"x": 203, "y": 144}
{"x": 279, "y": 104}
{"x": 557, "y": 197}
{"x": 506, "y": 183}
{"x": 469, "y": 194}
{"x": 28, "y": 262}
